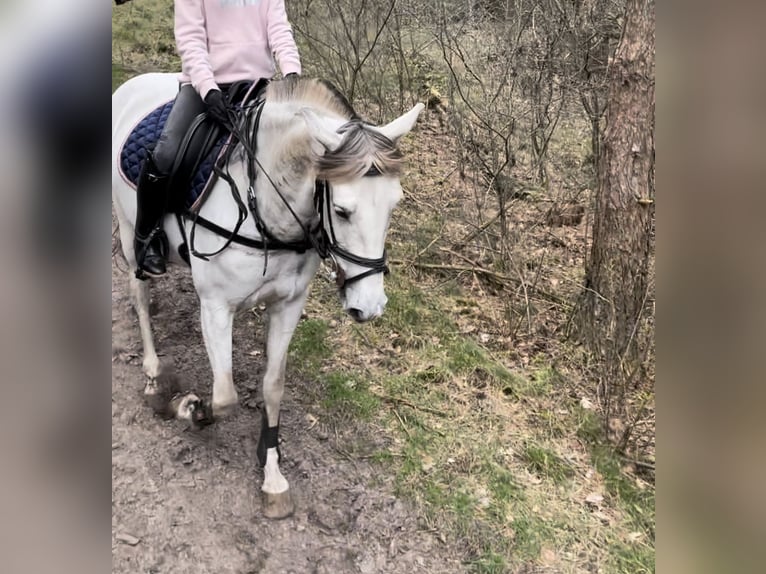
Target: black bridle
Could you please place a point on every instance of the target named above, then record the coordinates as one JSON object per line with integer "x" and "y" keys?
{"x": 244, "y": 124}
{"x": 323, "y": 205}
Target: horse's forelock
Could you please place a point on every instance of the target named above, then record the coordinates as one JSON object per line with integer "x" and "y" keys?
{"x": 362, "y": 147}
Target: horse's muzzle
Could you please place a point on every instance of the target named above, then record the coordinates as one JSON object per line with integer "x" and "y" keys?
{"x": 360, "y": 316}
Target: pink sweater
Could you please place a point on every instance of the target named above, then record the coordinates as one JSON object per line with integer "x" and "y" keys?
{"x": 222, "y": 41}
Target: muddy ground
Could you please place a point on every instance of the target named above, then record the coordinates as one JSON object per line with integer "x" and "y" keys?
{"x": 192, "y": 498}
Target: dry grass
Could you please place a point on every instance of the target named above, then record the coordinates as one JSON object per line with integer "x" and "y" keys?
{"x": 490, "y": 422}
{"x": 142, "y": 37}
{"x": 501, "y": 461}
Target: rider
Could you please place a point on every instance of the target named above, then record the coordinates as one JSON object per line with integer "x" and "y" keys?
{"x": 220, "y": 42}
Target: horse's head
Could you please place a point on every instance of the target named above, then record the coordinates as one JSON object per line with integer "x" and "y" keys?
{"x": 361, "y": 165}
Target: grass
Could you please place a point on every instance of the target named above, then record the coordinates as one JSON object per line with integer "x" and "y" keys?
{"x": 142, "y": 36}
{"x": 344, "y": 394}
{"x": 349, "y": 395}
{"x": 484, "y": 451}
{"x": 637, "y": 502}
{"x": 546, "y": 463}
{"x": 309, "y": 346}
{"x": 120, "y": 74}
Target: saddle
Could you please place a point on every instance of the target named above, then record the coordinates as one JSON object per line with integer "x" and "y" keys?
{"x": 203, "y": 148}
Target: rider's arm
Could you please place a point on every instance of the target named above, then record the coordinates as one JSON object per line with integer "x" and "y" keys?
{"x": 281, "y": 39}
{"x": 191, "y": 40}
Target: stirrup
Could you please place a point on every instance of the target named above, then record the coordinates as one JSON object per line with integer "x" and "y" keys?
{"x": 141, "y": 246}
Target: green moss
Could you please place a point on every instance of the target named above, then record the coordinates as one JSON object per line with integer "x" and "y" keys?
{"x": 546, "y": 463}
{"x": 309, "y": 346}
{"x": 348, "y": 395}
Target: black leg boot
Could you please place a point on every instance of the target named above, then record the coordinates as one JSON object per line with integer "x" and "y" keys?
{"x": 151, "y": 245}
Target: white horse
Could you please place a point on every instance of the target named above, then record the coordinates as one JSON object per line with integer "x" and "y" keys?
{"x": 307, "y": 132}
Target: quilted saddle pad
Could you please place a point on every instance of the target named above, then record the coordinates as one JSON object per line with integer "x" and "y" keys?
{"x": 143, "y": 139}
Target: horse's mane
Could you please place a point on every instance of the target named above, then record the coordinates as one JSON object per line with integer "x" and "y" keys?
{"x": 362, "y": 147}
{"x": 315, "y": 92}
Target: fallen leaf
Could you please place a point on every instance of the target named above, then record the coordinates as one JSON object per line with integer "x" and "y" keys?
{"x": 548, "y": 556}
{"x": 594, "y": 499}
{"x": 127, "y": 538}
{"x": 533, "y": 478}
{"x": 586, "y": 403}
{"x": 482, "y": 498}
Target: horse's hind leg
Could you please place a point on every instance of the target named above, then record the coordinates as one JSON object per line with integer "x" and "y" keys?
{"x": 283, "y": 318}
{"x": 158, "y": 394}
{"x": 140, "y": 291}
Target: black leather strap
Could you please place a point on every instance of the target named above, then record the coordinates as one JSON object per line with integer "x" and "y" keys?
{"x": 296, "y": 246}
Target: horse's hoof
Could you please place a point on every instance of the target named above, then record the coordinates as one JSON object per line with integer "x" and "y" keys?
{"x": 276, "y": 506}
{"x": 159, "y": 391}
{"x": 157, "y": 396}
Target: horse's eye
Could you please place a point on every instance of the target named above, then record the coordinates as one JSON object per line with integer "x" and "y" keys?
{"x": 342, "y": 213}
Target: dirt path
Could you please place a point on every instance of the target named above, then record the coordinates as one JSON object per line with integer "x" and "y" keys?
{"x": 192, "y": 498}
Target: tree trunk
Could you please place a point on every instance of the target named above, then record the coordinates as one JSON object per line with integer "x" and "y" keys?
{"x": 617, "y": 272}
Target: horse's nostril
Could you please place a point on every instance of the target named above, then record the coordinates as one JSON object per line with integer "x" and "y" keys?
{"x": 356, "y": 315}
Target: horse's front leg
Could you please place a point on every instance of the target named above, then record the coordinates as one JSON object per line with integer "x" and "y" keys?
{"x": 283, "y": 318}
{"x": 217, "y": 320}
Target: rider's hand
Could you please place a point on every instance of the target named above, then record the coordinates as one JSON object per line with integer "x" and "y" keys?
{"x": 216, "y": 108}
{"x": 292, "y": 75}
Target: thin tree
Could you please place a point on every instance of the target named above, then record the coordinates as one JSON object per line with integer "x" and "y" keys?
{"x": 614, "y": 303}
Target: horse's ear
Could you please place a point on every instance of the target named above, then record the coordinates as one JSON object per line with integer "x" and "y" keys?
{"x": 320, "y": 131}
{"x": 402, "y": 125}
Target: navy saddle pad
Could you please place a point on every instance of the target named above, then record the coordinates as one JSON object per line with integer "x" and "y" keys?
{"x": 142, "y": 140}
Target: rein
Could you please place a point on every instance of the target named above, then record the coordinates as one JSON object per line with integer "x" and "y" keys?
{"x": 244, "y": 131}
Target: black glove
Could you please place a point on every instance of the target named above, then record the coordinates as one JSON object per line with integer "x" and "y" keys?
{"x": 216, "y": 108}
{"x": 292, "y": 75}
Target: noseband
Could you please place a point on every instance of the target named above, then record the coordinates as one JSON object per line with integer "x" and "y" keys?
{"x": 328, "y": 243}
